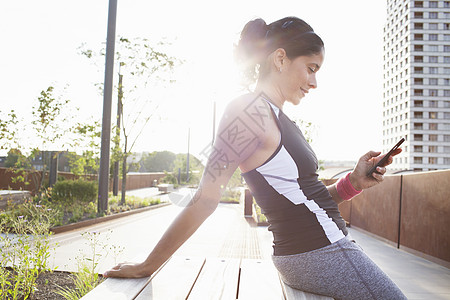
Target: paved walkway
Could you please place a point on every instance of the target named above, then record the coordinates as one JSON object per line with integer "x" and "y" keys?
{"x": 227, "y": 234}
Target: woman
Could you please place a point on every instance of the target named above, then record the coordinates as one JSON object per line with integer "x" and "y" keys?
{"x": 311, "y": 248}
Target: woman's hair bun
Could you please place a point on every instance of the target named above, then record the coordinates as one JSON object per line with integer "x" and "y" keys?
{"x": 252, "y": 41}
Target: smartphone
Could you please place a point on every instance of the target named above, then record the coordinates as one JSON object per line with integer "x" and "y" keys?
{"x": 385, "y": 158}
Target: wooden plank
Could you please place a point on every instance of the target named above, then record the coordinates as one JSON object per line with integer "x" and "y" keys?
{"x": 174, "y": 281}
{"x": 117, "y": 289}
{"x": 294, "y": 294}
{"x": 217, "y": 280}
{"x": 259, "y": 280}
{"x": 121, "y": 288}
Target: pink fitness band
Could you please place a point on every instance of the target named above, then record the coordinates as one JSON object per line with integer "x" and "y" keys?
{"x": 345, "y": 188}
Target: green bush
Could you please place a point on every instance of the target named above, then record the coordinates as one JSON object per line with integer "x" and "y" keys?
{"x": 170, "y": 178}
{"x": 72, "y": 191}
{"x": 230, "y": 196}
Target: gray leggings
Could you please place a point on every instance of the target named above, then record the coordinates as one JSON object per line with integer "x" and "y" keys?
{"x": 341, "y": 270}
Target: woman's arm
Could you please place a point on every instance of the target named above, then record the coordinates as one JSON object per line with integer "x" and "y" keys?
{"x": 185, "y": 224}
{"x": 233, "y": 145}
{"x": 358, "y": 177}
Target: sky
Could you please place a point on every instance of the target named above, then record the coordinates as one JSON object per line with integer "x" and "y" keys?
{"x": 40, "y": 41}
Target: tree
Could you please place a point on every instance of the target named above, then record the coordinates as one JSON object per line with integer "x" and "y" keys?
{"x": 49, "y": 122}
{"x": 158, "y": 161}
{"x": 8, "y": 130}
{"x": 88, "y": 140}
{"x": 15, "y": 159}
{"x": 140, "y": 64}
{"x": 195, "y": 168}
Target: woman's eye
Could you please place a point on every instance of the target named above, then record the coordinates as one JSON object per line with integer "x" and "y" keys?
{"x": 312, "y": 70}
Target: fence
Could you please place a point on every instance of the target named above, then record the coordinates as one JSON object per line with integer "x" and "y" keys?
{"x": 411, "y": 211}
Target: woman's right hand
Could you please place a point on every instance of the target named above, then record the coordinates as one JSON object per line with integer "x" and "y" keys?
{"x": 128, "y": 270}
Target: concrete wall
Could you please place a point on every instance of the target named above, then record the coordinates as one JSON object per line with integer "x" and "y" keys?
{"x": 139, "y": 180}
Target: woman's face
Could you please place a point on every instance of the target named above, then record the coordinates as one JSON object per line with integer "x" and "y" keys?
{"x": 298, "y": 76}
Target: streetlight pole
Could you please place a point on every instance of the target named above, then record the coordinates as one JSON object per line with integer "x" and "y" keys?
{"x": 103, "y": 176}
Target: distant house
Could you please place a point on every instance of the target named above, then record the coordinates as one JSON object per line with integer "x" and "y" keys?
{"x": 44, "y": 157}
{"x": 2, "y": 161}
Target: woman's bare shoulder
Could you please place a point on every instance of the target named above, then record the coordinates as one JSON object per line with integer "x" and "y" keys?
{"x": 249, "y": 112}
{"x": 247, "y": 104}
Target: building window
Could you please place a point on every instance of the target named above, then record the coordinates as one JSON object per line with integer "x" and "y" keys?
{"x": 446, "y": 37}
{"x": 418, "y": 126}
{"x": 433, "y": 48}
{"x": 433, "y": 103}
{"x": 446, "y": 4}
{"x": 432, "y": 160}
{"x": 432, "y": 70}
{"x": 432, "y": 15}
{"x": 418, "y": 149}
{"x": 433, "y": 26}
{"x": 432, "y": 115}
{"x": 446, "y": 115}
{"x": 447, "y": 104}
{"x": 433, "y": 59}
{"x": 418, "y": 115}
{"x": 418, "y": 37}
{"x": 432, "y": 149}
{"x": 417, "y": 160}
{"x": 447, "y": 150}
{"x": 432, "y": 4}
{"x": 418, "y": 70}
{"x": 433, "y": 93}
{"x": 432, "y": 37}
{"x": 418, "y": 58}
{"x": 446, "y": 93}
{"x": 432, "y": 81}
{"x": 418, "y": 81}
{"x": 447, "y": 59}
{"x": 446, "y": 138}
{"x": 418, "y": 48}
{"x": 433, "y": 126}
{"x": 433, "y": 137}
{"x": 446, "y": 70}
{"x": 418, "y": 25}
{"x": 418, "y": 103}
{"x": 446, "y": 26}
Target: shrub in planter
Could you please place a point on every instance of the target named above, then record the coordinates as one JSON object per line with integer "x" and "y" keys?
{"x": 230, "y": 196}
{"x": 170, "y": 178}
{"x": 71, "y": 191}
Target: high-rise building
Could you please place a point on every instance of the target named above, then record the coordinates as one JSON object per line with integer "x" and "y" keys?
{"x": 416, "y": 87}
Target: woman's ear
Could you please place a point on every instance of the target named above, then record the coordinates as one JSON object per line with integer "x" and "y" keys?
{"x": 279, "y": 59}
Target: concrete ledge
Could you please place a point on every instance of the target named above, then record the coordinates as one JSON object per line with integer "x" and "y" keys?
{"x": 73, "y": 226}
{"x": 165, "y": 187}
{"x": 14, "y": 197}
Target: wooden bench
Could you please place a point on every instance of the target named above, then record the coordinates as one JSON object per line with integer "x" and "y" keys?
{"x": 203, "y": 279}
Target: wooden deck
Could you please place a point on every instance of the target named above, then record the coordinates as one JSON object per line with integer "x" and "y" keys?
{"x": 203, "y": 279}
